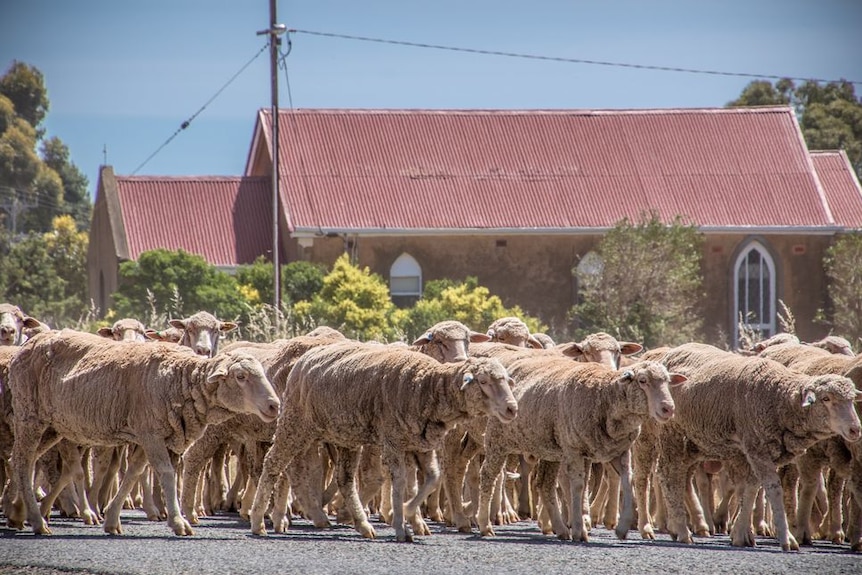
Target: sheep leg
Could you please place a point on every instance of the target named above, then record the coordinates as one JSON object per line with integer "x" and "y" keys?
{"x": 706, "y": 493}
{"x": 808, "y": 473}
{"x": 576, "y": 469}
{"x": 622, "y": 467}
{"x": 790, "y": 476}
{"x": 599, "y": 497}
{"x": 427, "y": 463}
{"x": 488, "y": 475}
{"x": 722, "y": 512}
{"x": 694, "y": 508}
{"x": 673, "y": 474}
{"x": 612, "y": 506}
{"x": 458, "y": 450}
{"x": 28, "y": 446}
{"x": 135, "y": 465}
{"x": 546, "y": 484}
{"x": 525, "y": 503}
{"x": 194, "y": 461}
{"x": 217, "y": 484}
{"x": 854, "y": 507}
{"x": 765, "y": 472}
{"x": 163, "y": 466}
{"x": 644, "y": 455}
{"x": 345, "y": 475}
{"x": 73, "y": 471}
{"x": 833, "y": 522}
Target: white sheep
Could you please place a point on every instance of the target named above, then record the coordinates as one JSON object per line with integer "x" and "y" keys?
{"x": 352, "y": 394}
{"x": 277, "y": 361}
{"x": 575, "y": 413}
{"x": 202, "y": 332}
{"x": 125, "y": 329}
{"x": 754, "y": 415}
{"x": 14, "y": 322}
{"x": 91, "y": 391}
{"x": 512, "y": 331}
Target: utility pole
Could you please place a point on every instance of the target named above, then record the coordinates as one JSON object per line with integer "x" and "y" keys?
{"x": 14, "y": 206}
{"x": 275, "y": 30}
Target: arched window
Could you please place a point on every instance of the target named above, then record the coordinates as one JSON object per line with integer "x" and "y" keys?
{"x": 754, "y": 291}
{"x": 405, "y": 280}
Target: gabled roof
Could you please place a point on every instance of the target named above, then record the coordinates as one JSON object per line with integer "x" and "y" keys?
{"x": 224, "y": 219}
{"x": 841, "y": 186}
{"x": 543, "y": 171}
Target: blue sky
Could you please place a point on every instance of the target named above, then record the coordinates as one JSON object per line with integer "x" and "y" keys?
{"x": 124, "y": 75}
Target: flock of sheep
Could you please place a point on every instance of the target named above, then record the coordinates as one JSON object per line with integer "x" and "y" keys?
{"x": 474, "y": 429}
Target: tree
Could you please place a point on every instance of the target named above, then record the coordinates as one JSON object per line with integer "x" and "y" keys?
{"x": 76, "y": 197}
{"x": 34, "y": 189}
{"x": 830, "y": 115}
{"x": 24, "y": 85}
{"x": 299, "y": 280}
{"x": 354, "y": 301}
{"x": 465, "y": 301}
{"x": 175, "y": 284}
{"x": 46, "y": 274}
{"x": 649, "y": 286}
{"x": 843, "y": 264}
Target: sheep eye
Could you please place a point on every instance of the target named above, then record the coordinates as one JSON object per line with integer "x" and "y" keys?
{"x": 827, "y": 398}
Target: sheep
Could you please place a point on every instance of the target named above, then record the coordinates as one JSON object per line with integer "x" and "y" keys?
{"x": 92, "y": 391}
{"x": 202, "y": 332}
{"x": 448, "y": 341}
{"x": 13, "y": 322}
{"x": 834, "y": 344}
{"x": 789, "y": 353}
{"x": 512, "y": 331}
{"x": 326, "y": 332}
{"x": 353, "y": 394}
{"x": 598, "y": 347}
{"x": 126, "y": 329}
{"x": 169, "y": 335}
{"x": 277, "y": 361}
{"x": 754, "y": 415}
{"x": 544, "y": 339}
{"x": 575, "y": 413}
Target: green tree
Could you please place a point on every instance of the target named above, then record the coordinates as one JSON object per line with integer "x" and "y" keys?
{"x": 34, "y": 189}
{"x": 24, "y": 85}
{"x": 830, "y": 115}
{"x": 465, "y": 301}
{"x": 175, "y": 284}
{"x": 46, "y": 274}
{"x": 843, "y": 264}
{"x": 299, "y": 280}
{"x": 354, "y": 301}
{"x": 649, "y": 286}
{"x": 76, "y": 197}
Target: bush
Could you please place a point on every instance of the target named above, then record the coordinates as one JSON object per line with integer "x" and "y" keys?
{"x": 843, "y": 265}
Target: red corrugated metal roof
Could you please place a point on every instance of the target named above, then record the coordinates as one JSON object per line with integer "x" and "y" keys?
{"x": 428, "y": 170}
{"x": 224, "y": 219}
{"x": 841, "y": 186}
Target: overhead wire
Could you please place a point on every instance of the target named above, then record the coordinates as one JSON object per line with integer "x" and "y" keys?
{"x": 562, "y": 59}
{"x": 191, "y": 118}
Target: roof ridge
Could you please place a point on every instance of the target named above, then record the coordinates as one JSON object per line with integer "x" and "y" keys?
{"x": 535, "y": 111}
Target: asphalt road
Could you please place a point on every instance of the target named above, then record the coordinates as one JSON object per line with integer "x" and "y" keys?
{"x": 224, "y": 545}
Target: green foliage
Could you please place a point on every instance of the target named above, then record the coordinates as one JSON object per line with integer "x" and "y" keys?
{"x": 354, "y": 301}
{"x": 176, "y": 284}
{"x": 843, "y": 264}
{"x": 467, "y": 302}
{"x": 24, "y": 85}
{"x": 46, "y": 274}
{"x": 76, "y": 197}
{"x": 649, "y": 286}
{"x": 299, "y": 280}
{"x": 830, "y": 115}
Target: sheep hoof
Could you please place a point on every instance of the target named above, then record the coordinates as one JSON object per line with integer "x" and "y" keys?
{"x": 113, "y": 529}
{"x": 90, "y": 518}
{"x": 487, "y": 532}
{"x": 647, "y": 532}
{"x": 791, "y": 544}
{"x": 838, "y": 538}
{"x": 366, "y": 530}
{"x": 564, "y": 536}
{"x": 856, "y": 546}
{"x": 621, "y": 532}
{"x": 465, "y": 529}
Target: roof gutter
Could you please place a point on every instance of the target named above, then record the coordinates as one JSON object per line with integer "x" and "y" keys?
{"x": 574, "y": 231}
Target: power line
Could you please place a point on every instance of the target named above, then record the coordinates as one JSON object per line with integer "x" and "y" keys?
{"x": 185, "y": 124}
{"x": 563, "y": 59}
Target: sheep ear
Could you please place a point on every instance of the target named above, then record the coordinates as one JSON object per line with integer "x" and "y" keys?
{"x": 628, "y": 347}
{"x": 476, "y": 337}
{"x": 424, "y": 339}
{"x": 677, "y": 379}
{"x": 468, "y": 377}
{"x": 218, "y": 374}
{"x": 178, "y": 323}
{"x": 808, "y": 398}
{"x": 105, "y": 332}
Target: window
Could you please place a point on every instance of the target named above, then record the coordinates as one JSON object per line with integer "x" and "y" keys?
{"x": 405, "y": 277}
{"x": 754, "y": 291}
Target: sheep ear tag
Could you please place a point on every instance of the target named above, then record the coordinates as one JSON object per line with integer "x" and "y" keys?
{"x": 468, "y": 377}
{"x": 808, "y": 398}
